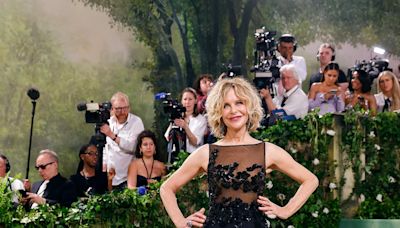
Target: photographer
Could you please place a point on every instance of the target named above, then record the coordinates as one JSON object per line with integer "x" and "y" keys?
{"x": 122, "y": 132}
{"x": 293, "y": 101}
{"x": 202, "y": 86}
{"x": 193, "y": 123}
{"x": 287, "y": 45}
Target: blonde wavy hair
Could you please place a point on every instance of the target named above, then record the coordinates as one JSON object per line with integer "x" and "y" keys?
{"x": 395, "y": 89}
{"x": 244, "y": 91}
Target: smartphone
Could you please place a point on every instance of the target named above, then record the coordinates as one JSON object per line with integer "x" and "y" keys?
{"x": 333, "y": 91}
{"x": 23, "y": 193}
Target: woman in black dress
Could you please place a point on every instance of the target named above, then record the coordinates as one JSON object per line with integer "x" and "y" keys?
{"x": 236, "y": 165}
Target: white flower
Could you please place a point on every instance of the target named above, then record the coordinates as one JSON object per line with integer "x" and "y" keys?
{"x": 208, "y": 194}
{"x": 377, "y": 147}
{"x": 25, "y": 220}
{"x": 326, "y": 210}
{"x": 315, "y": 214}
{"x": 372, "y": 134}
{"x": 330, "y": 132}
{"x": 290, "y": 226}
{"x": 379, "y": 197}
{"x": 293, "y": 150}
{"x": 362, "y": 198}
{"x": 332, "y": 185}
{"x": 270, "y": 185}
{"x": 315, "y": 161}
{"x": 75, "y": 210}
{"x": 281, "y": 197}
{"x": 391, "y": 179}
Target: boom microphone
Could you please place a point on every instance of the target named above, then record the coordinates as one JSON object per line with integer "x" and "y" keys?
{"x": 33, "y": 93}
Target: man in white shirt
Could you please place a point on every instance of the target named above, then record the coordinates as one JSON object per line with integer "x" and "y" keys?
{"x": 12, "y": 184}
{"x": 122, "y": 132}
{"x": 287, "y": 45}
{"x": 294, "y": 101}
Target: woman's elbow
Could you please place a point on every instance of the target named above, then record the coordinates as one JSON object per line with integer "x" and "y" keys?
{"x": 314, "y": 182}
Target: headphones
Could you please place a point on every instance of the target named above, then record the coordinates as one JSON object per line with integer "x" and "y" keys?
{"x": 330, "y": 46}
{"x": 8, "y": 166}
{"x": 288, "y": 38}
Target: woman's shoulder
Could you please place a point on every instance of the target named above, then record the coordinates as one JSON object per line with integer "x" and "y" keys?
{"x": 159, "y": 164}
{"x": 316, "y": 85}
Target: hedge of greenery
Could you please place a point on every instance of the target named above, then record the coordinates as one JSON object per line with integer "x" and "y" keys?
{"x": 375, "y": 194}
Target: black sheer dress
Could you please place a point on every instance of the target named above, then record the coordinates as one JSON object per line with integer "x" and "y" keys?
{"x": 236, "y": 177}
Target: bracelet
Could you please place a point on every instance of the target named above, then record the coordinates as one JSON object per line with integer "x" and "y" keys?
{"x": 116, "y": 136}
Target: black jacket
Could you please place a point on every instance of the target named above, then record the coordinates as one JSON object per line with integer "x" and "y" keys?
{"x": 59, "y": 190}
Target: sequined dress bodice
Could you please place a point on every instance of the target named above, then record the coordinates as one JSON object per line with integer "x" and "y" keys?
{"x": 236, "y": 177}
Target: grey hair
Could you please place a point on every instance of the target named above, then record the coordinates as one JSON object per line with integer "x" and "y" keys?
{"x": 119, "y": 96}
{"x": 291, "y": 68}
{"x": 49, "y": 152}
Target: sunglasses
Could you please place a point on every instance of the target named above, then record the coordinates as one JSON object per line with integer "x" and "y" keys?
{"x": 43, "y": 166}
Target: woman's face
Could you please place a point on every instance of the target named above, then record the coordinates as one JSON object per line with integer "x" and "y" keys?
{"x": 188, "y": 101}
{"x": 205, "y": 85}
{"x": 355, "y": 82}
{"x": 234, "y": 114}
{"x": 147, "y": 147}
{"x": 331, "y": 77}
{"x": 386, "y": 83}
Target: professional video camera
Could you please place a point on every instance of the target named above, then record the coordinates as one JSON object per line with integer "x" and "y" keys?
{"x": 97, "y": 113}
{"x": 266, "y": 64}
{"x": 171, "y": 106}
{"x": 373, "y": 67}
{"x": 231, "y": 70}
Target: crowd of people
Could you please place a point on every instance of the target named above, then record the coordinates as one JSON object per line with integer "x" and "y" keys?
{"x": 220, "y": 114}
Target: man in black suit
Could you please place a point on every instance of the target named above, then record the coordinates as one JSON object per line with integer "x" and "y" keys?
{"x": 54, "y": 188}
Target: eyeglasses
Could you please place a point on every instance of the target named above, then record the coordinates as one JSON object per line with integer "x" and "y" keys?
{"x": 43, "y": 166}
{"x": 92, "y": 153}
{"x": 121, "y": 108}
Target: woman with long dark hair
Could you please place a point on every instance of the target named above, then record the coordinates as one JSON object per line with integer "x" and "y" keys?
{"x": 327, "y": 95}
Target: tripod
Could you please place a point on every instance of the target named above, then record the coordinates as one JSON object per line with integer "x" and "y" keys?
{"x": 176, "y": 143}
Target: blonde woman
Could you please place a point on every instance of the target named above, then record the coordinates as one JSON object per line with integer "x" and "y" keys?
{"x": 388, "y": 98}
{"x": 236, "y": 166}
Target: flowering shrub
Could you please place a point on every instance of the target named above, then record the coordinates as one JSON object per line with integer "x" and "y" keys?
{"x": 376, "y": 192}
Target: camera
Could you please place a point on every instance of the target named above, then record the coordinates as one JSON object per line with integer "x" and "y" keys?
{"x": 171, "y": 106}
{"x": 266, "y": 64}
{"x": 373, "y": 67}
{"x": 97, "y": 113}
{"x": 230, "y": 70}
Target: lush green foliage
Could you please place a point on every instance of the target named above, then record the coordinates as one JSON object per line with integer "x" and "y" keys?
{"x": 309, "y": 141}
{"x": 30, "y": 56}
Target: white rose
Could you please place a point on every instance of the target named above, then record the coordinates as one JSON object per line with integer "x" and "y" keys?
{"x": 315, "y": 161}
{"x": 293, "y": 150}
{"x": 330, "y": 132}
{"x": 372, "y": 134}
{"x": 362, "y": 198}
{"x": 332, "y": 185}
{"x": 379, "y": 197}
{"x": 315, "y": 214}
{"x": 391, "y": 179}
{"x": 270, "y": 185}
{"x": 326, "y": 210}
{"x": 281, "y": 197}
{"x": 377, "y": 147}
